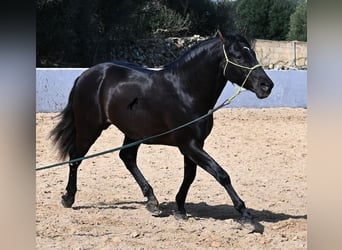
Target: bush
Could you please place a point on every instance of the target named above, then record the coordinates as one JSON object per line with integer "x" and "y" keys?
{"x": 168, "y": 22}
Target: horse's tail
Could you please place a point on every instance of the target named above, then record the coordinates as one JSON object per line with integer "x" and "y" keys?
{"x": 63, "y": 135}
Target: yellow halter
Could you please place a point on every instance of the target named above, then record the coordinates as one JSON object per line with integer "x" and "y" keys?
{"x": 238, "y": 65}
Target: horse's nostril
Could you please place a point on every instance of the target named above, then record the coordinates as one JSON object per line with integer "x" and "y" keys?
{"x": 264, "y": 86}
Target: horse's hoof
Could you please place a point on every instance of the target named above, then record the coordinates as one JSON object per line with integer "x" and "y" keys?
{"x": 180, "y": 215}
{"x": 251, "y": 225}
{"x": 67, "y": 202}
{"x": 153, "y": 208}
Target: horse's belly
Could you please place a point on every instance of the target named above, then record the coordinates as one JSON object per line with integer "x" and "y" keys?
{"x": 138, "y": 124}
{"x": 140, "y": 117}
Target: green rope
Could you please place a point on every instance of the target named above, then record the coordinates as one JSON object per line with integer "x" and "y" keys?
{"x": 139, "y": 141}
{"x": 225, "y": 103}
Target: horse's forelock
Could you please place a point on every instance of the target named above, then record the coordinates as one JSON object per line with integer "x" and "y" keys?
{"x": 236, "y": 38}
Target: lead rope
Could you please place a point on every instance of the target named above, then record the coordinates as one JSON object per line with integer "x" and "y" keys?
{"x": 211, "y": 111}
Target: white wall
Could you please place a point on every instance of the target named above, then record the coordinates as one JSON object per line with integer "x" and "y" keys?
{"x": 53, "y": 87}
{"x": 289, "y": 90}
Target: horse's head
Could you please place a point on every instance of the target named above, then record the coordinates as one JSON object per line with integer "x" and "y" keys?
{"x": 240, "y": 66}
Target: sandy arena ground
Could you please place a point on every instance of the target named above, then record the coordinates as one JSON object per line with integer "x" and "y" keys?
{"x": 263, "y": 150}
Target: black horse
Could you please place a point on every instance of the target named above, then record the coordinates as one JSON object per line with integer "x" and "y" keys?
{"x": 142, "y": 102}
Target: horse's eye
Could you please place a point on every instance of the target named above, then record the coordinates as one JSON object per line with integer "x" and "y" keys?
{"x": 238, "y": 57}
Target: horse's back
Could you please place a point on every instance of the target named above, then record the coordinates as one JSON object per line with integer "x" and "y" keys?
{"x": 91, "y": 80}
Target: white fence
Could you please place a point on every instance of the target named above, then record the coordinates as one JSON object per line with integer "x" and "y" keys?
{"x": 53, "y": 86}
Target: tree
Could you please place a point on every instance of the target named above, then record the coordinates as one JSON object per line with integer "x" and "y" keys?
{"x": 298, "y": 23}
{"x": 205, "y": 15}
{"x": 225, "y": 16}
{"x": 252, "y": 18}
{"x": 83, "y": 32}
{"x": 80, "y": 33}
{"x": 279, "y": 18}
{"x": 264, "y": 19}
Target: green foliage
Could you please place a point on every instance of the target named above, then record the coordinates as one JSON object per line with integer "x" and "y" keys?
{"x": 279, "y": 18}
{"x": 252, "y": 18}
{"x": 165, "y": 21}
{"x": 298, "y": 23}
{"x": 205, "y": 15}
{"x": 264, "y": 19}
{"x": 81, "y": 33}
{"x": 224, "y": 16}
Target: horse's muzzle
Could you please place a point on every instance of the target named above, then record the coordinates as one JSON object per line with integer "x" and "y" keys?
{"x": 264, "y": 89}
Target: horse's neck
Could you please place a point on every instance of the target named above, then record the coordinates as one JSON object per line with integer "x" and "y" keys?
{"x": 203, "y": 72}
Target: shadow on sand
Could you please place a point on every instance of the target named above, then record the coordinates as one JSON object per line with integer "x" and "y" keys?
{"x": 224, "y": 212}
{"x": 204, "y": 211}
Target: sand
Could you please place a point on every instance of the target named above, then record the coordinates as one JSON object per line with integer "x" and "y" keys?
{"x": 263, "y": 150}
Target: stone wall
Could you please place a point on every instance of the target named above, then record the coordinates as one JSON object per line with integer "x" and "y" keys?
{"x": 155, "y": 52}
{"x": 159, "y": 51}
{"x": 281, "y": 54}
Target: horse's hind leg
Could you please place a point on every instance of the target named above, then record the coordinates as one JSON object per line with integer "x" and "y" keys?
{"x": 85, "y": 137}
{"x": 129, "y": 157}
{"x": 189, "y": 176}
{"x": 69, "y": 197}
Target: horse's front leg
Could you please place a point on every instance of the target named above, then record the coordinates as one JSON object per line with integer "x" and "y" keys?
{"x": 195, "y": 152}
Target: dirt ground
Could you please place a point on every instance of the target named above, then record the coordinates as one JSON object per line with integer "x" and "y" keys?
{"x": 263, "y": 150}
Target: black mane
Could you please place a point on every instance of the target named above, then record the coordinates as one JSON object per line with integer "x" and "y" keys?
{"x": 191, "y": 53}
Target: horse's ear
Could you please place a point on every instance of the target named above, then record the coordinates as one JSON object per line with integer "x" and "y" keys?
{"x": 219, "y": 34}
